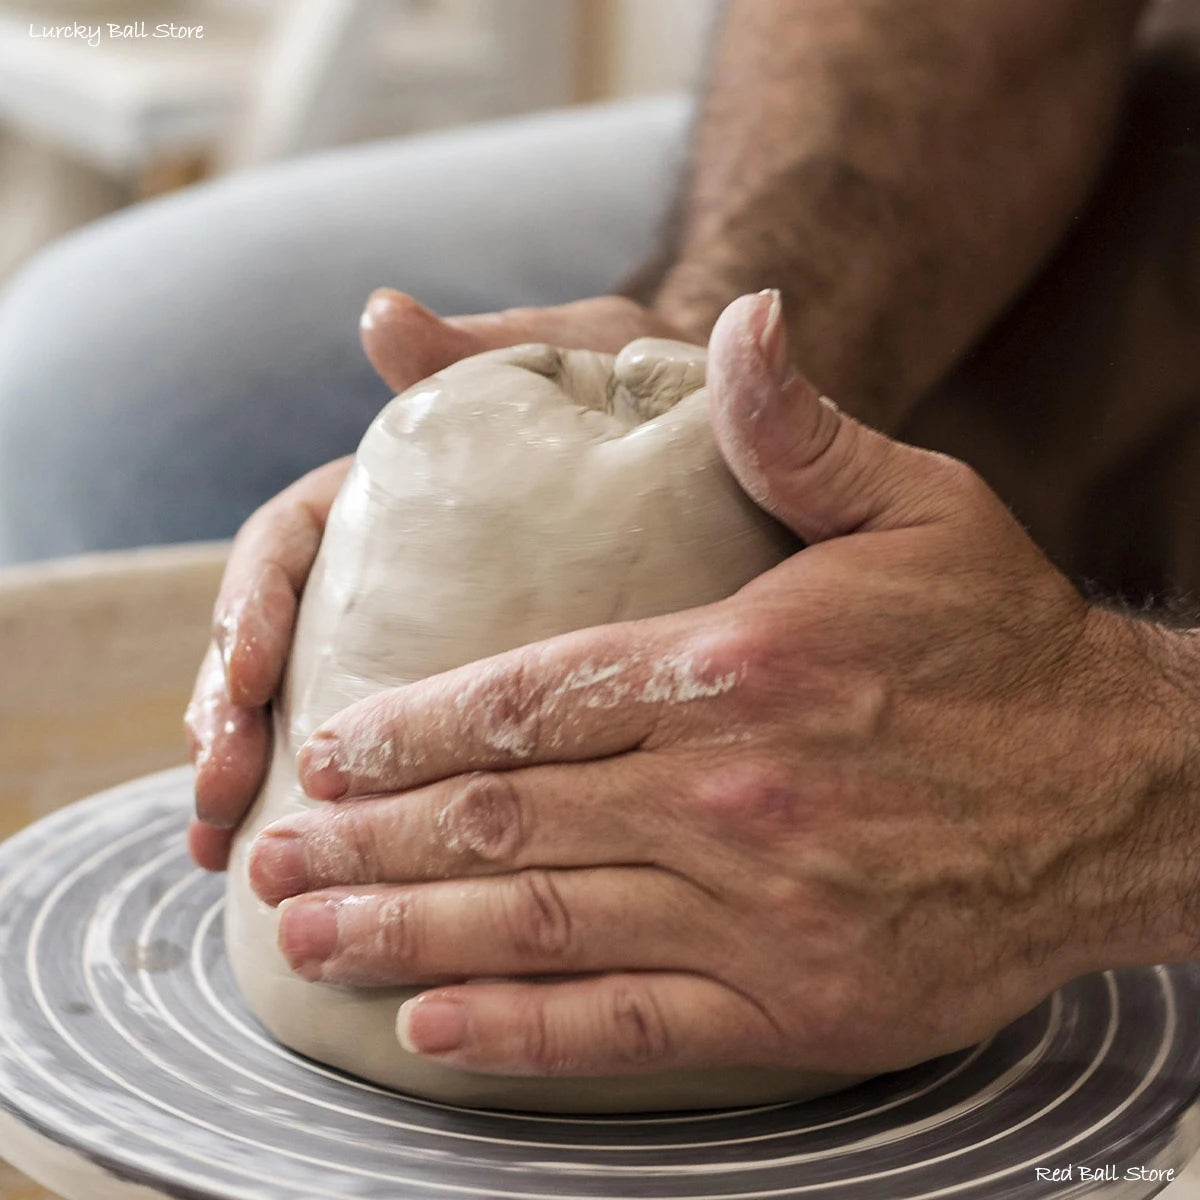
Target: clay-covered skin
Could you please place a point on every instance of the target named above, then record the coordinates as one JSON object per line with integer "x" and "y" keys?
{"x": 514, "y": 496}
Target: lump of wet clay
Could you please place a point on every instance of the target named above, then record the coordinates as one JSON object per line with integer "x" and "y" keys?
{"x": 513, "y": 496}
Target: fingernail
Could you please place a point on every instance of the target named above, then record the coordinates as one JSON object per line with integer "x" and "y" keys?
{"x": 277, "y": 866}
{"x": 321, "y": 772}
{"x": 432, "y": 1024}
{"x": 772, "y": 342}
{"x": 308, "y": 935}
{"x": 379, "y": 306}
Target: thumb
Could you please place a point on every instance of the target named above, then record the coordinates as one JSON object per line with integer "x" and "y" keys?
{"x": 820, "y": 472}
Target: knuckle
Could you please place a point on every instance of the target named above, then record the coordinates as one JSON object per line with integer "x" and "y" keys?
{"x": 207, "y": 721}
{"x": 698, "y": 677}
{"x": 355, "y": 853}
{"x": 639, "y": 1031}
{"x": 768, "y": 797}
{"x": 831, "y": 448}
{"x": 755, "y": 797}
{"x": 539, "y": 923}
{"x": 541, "y": 1048}
{"x": 210, "y": 684}
{"x": 398, "y": 936}
{"x": 193, "y": 725}
{"x": 964, "y": 485}
{"x": 789, "y": 900}
{"x": 748, "y": 647}
{"x": 507, "y": 706}
{"x": 740, "y": 655}
{"x": 281, "y": 525}
{"x": 263, "y": 520}
{"x": 484, "y": 818}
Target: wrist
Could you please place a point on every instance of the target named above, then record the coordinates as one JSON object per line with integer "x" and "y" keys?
{"x": 1138, "y": 878}
{"x": 1178, "y": 658}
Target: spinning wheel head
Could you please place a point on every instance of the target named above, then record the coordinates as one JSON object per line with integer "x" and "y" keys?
{"x": 130, "y": 1068}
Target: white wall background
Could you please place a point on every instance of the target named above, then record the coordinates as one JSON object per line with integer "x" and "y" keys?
{"x": 653, "y": 46}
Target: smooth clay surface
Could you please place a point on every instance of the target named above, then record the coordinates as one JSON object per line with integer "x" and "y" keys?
{"x": 514, "y": 496}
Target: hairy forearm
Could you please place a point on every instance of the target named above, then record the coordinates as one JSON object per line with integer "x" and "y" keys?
{"x": 1179, "y": 789}
{"x": 898, "y": 168}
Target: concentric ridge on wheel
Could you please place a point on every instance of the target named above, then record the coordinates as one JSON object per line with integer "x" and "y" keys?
{"x": 124, "y": 1040}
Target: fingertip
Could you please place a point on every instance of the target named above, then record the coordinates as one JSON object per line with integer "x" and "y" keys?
{"x": 319, "y": 767}
{"x": 749, "y": 362}
{"x": 308, "y": 934}
{"x": 208, "y": 846}
{"x": 741, "y": 321}
{"x": 405, "y": 341}
{"x": 231, "y": 765}
{"x": 385, "y": 305}
{"x": 432, "y": 1023}
{"x": 276, "y": 865}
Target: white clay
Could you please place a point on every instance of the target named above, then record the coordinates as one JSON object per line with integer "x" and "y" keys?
{"x": 514, "y": 496}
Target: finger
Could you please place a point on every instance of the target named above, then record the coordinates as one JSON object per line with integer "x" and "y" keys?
{"x": 485, "y": 823}
{"x": 209, "y": 846}
{"x": 266, "y": 572}
{"x": 817, "y": 470}
{"x": 604, "y": 323}
{"x": 229, "y": 747}
{"x": 616, "y": 1024}
{"x": 582, "y": 695}
{"x": 406, "y": 342}
{"x": 532, "y": 922}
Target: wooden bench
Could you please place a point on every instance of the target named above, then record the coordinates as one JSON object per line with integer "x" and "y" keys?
{"x": 97, "y": 658}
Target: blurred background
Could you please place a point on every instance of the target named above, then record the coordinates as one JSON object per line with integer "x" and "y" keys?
{"x": 88, "y": 128}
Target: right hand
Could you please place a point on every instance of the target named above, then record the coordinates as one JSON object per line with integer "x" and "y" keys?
{"x": 226, "y": 720}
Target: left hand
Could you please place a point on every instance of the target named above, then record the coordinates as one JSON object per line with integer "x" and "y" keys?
{"x": 866, "y": 811}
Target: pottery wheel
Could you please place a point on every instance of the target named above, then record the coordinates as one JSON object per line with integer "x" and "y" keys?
{"x": 125, "y": 1049}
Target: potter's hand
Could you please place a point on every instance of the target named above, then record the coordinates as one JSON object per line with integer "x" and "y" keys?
{"x": 226, "y": 720}
{"x": 865, "y": 811}
{"x": 273, "y": 552}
